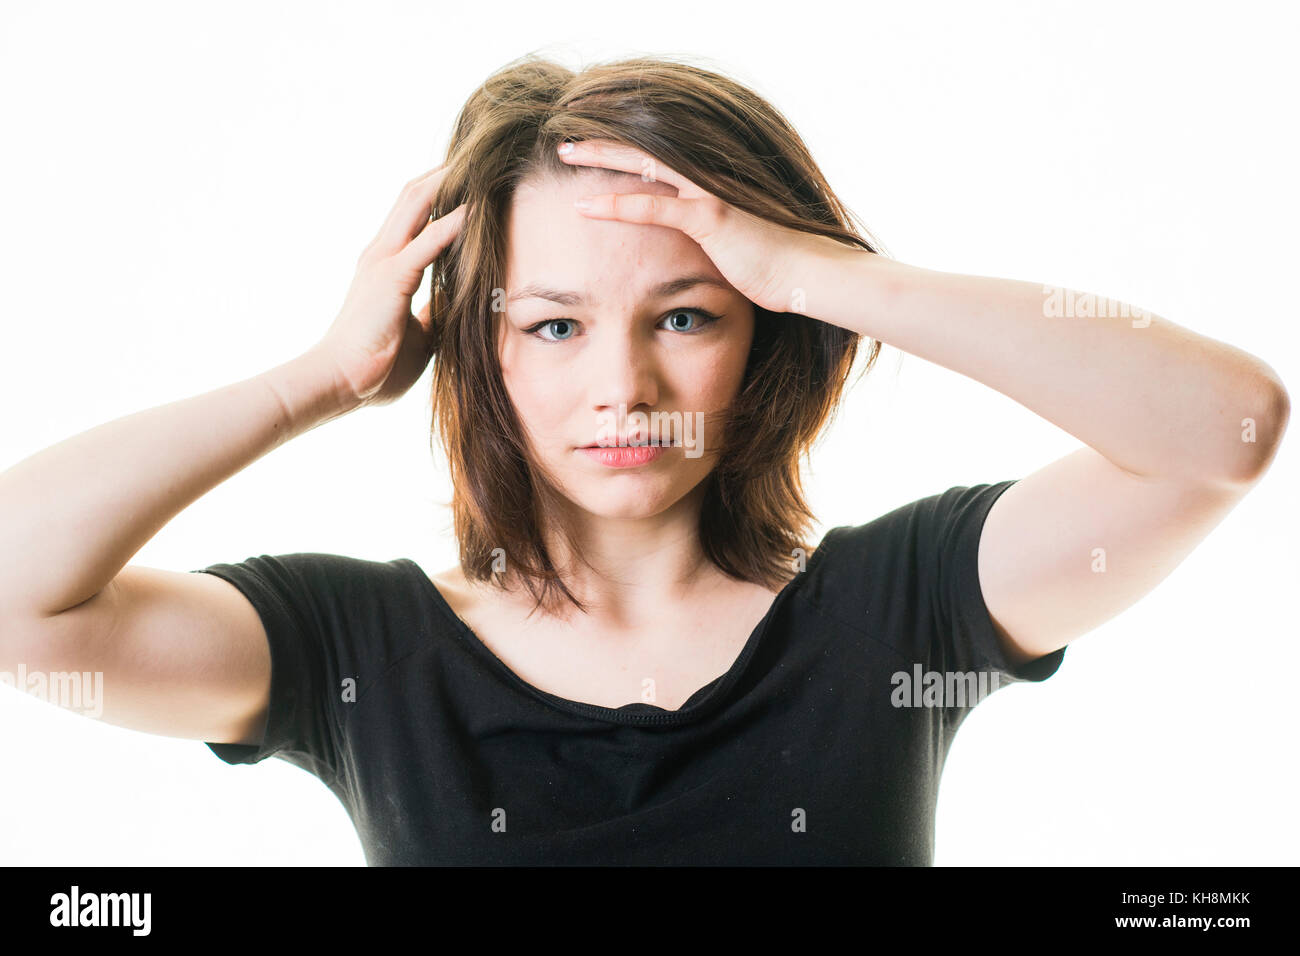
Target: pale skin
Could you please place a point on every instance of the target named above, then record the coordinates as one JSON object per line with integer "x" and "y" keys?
{"x": 661, "y": 617}
{"x": 1160, "y": 412}
{"x": 1176, "y": 427}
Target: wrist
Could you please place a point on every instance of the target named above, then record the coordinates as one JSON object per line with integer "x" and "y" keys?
{"x": 852, "y": 287}
{"x": 311, "y": 390}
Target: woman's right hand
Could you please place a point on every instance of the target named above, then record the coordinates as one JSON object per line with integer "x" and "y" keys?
{"x": 377, "y": 346}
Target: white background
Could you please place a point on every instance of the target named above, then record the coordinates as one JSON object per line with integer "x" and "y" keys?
{"x": 184, "y": 189}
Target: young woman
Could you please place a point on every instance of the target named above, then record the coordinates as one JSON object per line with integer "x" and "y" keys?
{"x": 646, "y": 303}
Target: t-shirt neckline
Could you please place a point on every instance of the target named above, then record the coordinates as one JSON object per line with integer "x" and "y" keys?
{"x": 700, "y": 703}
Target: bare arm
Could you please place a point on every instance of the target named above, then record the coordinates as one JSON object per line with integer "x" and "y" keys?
{"x": 1177, "y": 427}
{"x": 180, "y": 654}
{"x": 187, "y": 654}
{"x": 72, "y": 515}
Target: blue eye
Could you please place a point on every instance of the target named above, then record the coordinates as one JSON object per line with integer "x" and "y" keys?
{"x": 565, "y": 325}
{"x": 675, "y": 326}
{"x": 561, "y": 330}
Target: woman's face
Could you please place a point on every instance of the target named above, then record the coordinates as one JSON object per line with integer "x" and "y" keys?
{"x": 595, "y": 347}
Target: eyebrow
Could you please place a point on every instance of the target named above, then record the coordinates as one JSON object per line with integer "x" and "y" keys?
{"x": 664, "y": 289}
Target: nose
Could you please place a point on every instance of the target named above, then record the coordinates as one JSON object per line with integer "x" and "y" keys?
{"x": 622, "y": 371}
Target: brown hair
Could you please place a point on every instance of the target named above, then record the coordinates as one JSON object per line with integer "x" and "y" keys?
{"x": 729, "y": 141}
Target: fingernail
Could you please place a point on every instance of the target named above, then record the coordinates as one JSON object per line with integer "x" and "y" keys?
{"x": 583, "y": 203}
{"x": 566, "y": 148}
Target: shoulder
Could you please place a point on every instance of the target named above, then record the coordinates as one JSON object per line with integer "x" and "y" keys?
{"x": 450, "y": 581}
{"x": 304, "y": 578}
{"x": 932, "y": 519}
{"x": 481, "y": 606}
{"x": 464, "y": 597}
{"x": 348, "y": 599}
{"x": 910, "y": 546}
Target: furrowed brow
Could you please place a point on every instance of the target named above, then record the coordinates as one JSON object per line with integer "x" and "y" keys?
{"x": 663, "y": 290}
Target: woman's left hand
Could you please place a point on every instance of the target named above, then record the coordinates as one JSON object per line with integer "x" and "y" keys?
{"x": 770, "y": 265}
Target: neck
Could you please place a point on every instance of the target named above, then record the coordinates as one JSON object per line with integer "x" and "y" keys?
{"x": 633, "y": 571}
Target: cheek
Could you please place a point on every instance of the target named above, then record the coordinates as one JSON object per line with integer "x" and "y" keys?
{"x": 514, "y": 371}
{"x": 713, "y": 378}
{"x": 534, "y": 387}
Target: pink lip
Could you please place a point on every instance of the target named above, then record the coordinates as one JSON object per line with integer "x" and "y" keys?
{"x": 631, "y": 456}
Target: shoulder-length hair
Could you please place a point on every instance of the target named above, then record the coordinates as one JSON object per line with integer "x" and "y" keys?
{"x": 728, "y": 140}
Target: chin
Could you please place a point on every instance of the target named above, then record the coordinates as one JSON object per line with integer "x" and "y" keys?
{"x": 624, "y": 499}
{"x": 628, "y": 506}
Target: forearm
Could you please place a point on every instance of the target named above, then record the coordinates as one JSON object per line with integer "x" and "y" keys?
{"x": 1155, "y": 398}
{"x": 72, "y": 515}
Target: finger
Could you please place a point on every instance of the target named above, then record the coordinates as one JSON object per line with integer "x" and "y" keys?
{"x": 628, "y": 159}
{"x": 692, "y": 216}
{"x": 409, "y": 213}
{"x": 420, "y": 252}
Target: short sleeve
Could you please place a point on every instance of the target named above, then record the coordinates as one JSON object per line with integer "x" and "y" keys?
{"x": 909, "y": 580}
{"x": 307, "y": 635}
{"x": 948, "y": 527}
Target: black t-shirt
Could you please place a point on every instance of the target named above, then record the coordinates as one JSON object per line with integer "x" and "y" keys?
{"x": 815, "y": 747}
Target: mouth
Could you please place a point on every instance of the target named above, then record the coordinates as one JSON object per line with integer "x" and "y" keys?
{"x": 626, "y": 456}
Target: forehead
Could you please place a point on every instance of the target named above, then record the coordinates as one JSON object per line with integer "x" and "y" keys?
{"x": 550, "y": 242}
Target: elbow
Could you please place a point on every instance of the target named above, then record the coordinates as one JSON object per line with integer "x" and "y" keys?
{"x": 1261, "y": 430}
